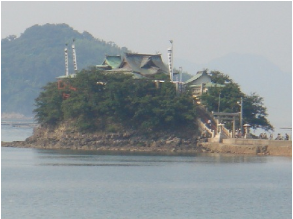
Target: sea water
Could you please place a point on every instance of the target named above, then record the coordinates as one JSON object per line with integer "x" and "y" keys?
{"x": 82, "y": 184}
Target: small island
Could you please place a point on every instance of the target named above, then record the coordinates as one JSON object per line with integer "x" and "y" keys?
{"x": 114, "y": 111}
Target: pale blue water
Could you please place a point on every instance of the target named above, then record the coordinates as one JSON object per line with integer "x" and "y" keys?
{"x": 10, "y": 133}
{"x": 75, "y": 184}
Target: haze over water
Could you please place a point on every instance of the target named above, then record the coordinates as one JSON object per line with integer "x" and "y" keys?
{"x": 79, "y": 184}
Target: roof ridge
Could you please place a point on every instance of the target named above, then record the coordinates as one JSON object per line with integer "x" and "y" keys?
{"x": 142, "y": 54}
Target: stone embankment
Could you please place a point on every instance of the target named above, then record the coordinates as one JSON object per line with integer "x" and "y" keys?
{"x": 250, "y": 147}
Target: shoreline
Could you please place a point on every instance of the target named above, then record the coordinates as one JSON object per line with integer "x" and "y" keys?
{"x": 129, "y": 141}
{"x": 15, "y": 116}
{"x": 169, "y": 150}
{"x": 107, "y": 147}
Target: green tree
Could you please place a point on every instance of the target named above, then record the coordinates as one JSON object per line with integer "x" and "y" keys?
{"x": 254, "y": 112}
{"x": 225, "y": 99}
{"x": 48, "y": 105}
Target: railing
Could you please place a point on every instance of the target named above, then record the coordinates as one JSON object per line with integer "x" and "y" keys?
{"x": 226, "y": 132}
{"x": 204, "y": 127}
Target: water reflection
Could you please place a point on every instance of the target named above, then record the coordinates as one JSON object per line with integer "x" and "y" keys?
{"x": 96, "y": 158}
{"x": 88, "y": 165}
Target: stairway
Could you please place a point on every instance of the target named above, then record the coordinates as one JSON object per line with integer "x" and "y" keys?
{"x": 203, "y": 117}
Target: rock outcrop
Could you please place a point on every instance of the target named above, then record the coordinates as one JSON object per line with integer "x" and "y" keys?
{"x": 65, "y": 137}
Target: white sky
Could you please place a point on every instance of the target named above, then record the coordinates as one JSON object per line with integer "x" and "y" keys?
{"x": 201, "y": 31}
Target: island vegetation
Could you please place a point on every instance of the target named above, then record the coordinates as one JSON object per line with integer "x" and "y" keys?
{"x": 114, "y": 103}
{"x": 114, "y": 112}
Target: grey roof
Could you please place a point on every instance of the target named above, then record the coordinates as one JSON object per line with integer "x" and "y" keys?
{"x": 195, "y": 77}
{"x": 144, "y": 64}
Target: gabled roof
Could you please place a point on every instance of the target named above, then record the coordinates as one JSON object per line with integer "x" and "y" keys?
{"x": 144, "y": 64}
{"x": 140, "y": 65}
{"x": 113, "y": 61}
{"x": 197, "y": 76}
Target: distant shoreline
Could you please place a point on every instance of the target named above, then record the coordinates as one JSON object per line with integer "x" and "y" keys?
{"x": 14, "y": 116}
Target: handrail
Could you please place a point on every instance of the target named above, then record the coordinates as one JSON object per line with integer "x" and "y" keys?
{"x": 226, "y": 132}
{"x": 204, "y": 127}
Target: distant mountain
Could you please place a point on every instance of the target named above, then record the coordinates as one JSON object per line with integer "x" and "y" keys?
{"x": 255, "y": 74}
{"x": 37, "y": 57}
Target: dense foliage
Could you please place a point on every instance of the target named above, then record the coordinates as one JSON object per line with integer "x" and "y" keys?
{"x": 224, "y": 99}
{"x": 111, "y": 102}
{"x": 36, "y": 57}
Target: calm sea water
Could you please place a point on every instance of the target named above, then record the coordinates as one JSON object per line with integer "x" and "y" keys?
{"x": 78, "y": 184}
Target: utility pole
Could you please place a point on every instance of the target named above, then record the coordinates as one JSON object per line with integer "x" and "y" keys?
{"x": 219, "y": 102}
{"x": 180, "y": 80}
{"x": 241, "y": 114}
{"x": 180, "y": 71}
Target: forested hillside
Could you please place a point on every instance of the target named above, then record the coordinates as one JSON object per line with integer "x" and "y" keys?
{"x": 36, "y": 57}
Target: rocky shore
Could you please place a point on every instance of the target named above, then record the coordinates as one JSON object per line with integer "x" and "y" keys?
{"x": 130, "y": 141}
{"x": 65, "y": 138}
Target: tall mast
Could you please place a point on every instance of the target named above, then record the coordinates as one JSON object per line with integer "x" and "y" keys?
{"x": 170, "y": 60}
{"x": 66, "y": 60}
{"x": 74, "y": 56}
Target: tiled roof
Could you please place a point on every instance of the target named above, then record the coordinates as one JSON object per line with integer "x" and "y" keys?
{"x": 139, "y": 64}
{"x": 113, "y": 61}
{"x": 145, "y": 64}
{"x": 195, "y": 77}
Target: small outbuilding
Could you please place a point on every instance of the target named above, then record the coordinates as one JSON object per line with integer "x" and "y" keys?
{"x": 200, "y": 83}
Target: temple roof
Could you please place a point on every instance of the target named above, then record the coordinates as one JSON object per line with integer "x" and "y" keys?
{"x": 145, "y": 64}
{"x": 138, "y": 64}
{"x": 197, "y": 76}
{"x": 113, "y": 61}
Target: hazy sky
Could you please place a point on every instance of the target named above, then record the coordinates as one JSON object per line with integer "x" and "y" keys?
{"x": 201, "y": 31}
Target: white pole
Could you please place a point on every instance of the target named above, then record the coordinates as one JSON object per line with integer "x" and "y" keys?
{"x": 74, "y": 57}
{"x": 241, "y": 116}
{"x": 66, "y": 60}
{"x": 172, "y": 74}
{"x": 170, "y": 60}
{"x": 170, "y": 63}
